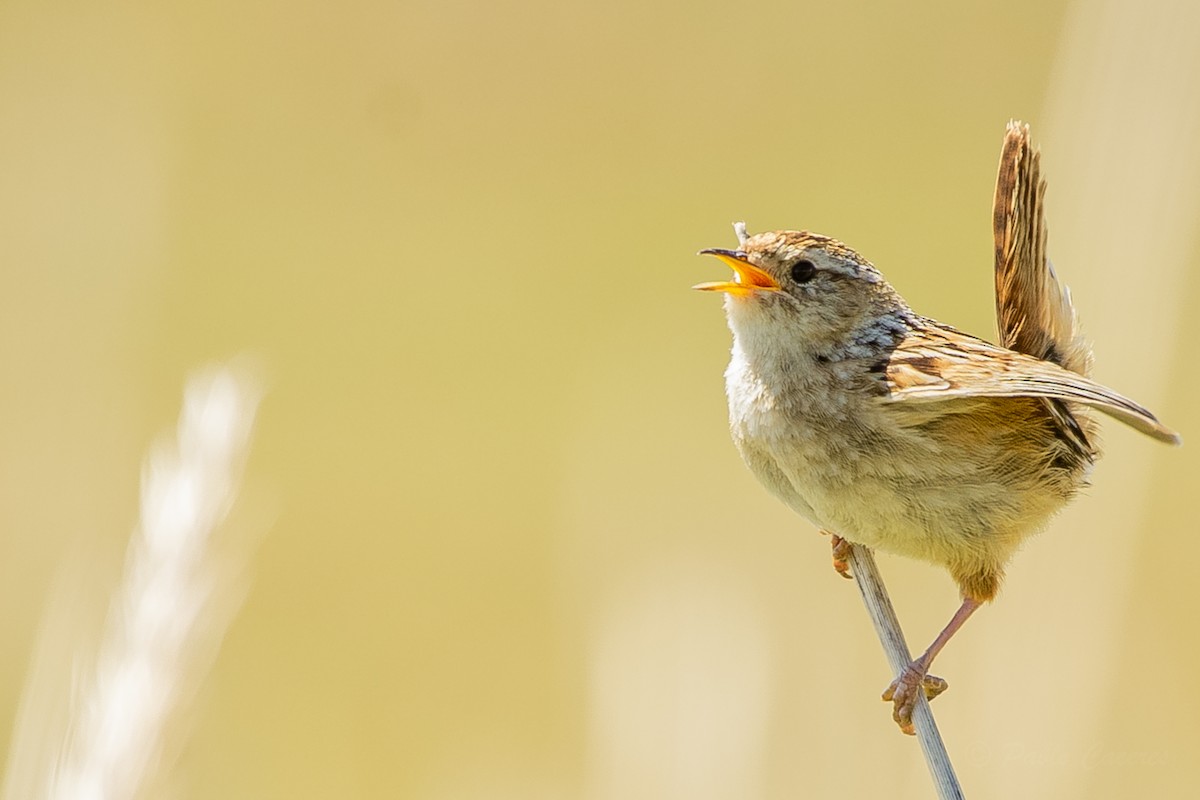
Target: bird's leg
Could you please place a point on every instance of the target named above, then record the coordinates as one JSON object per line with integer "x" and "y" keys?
{"x": 841, "y": 554}
{"x": 903, "y": 691}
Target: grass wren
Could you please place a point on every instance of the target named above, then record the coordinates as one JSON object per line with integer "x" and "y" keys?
{"x": 894, "y": 431}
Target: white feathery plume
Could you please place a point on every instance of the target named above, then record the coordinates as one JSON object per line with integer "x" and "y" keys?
{"x": 165, "y": 618}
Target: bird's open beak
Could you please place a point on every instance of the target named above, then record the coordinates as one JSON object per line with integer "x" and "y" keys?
{"x": 747, "y": 277}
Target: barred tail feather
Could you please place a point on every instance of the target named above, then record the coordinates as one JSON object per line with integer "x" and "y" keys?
{"x": 1034, "y": 313}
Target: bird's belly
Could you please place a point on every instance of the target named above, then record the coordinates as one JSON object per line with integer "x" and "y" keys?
{"x": 899, "y": 489}
{"x": 835, "y": 490}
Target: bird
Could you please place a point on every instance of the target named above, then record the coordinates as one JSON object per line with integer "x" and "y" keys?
{"x": 894, "y": 431}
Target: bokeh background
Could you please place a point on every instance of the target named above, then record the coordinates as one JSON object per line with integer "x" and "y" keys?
{"x": 504, "y": 548}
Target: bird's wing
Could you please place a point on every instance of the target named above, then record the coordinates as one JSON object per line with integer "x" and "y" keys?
{"x": 941, "y": 363}
{"x": 1034, "y": 313}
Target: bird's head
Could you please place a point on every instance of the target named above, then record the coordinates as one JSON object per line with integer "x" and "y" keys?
{"x": 802, "y": 286}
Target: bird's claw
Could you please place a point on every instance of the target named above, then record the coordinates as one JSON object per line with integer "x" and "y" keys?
{"x": 902, "y": 693}
{"x": 841, "y": 554}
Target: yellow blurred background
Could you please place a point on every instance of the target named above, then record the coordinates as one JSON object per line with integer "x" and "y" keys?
{"x": 509, "y": 550}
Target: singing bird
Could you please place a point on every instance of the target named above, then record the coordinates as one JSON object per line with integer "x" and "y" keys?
{"x": 897, "y": 432}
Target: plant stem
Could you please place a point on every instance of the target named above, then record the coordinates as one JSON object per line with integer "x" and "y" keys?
{"x": 887, "y": 628}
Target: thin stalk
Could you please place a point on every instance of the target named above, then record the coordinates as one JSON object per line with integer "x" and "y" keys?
{"x": 887, "y": 628}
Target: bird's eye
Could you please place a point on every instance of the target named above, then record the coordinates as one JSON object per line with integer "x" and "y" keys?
{"x": 803, "y": 271}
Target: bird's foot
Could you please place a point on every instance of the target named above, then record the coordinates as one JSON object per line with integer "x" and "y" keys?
{"x": 902, "y": 694}
{"x": 841, "y": 554}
